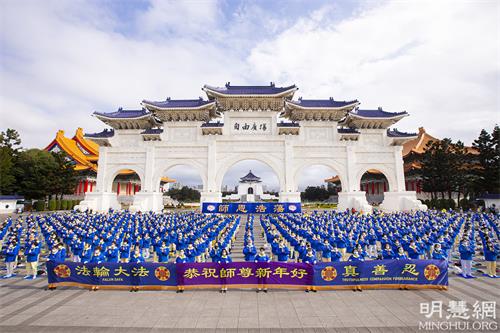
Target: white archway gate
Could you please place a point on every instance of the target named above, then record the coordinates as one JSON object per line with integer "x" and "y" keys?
{"x": 241, "y": 123}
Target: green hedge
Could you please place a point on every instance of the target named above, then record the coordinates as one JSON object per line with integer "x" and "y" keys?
{"x": 52, "y": 205}
{"x": 39, "y": 205}
{"x": 440, "y": 203}
{"x": 58, "y": 205}
{"x": 64, "y": 204}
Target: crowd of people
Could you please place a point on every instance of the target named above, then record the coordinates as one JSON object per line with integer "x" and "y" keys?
{"x": 326, "y": 236}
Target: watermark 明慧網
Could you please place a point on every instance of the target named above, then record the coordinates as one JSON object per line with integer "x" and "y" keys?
{"x": 458, "y": 316}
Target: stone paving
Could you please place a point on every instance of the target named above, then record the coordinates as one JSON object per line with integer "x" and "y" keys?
{"x": 25, "y": 306}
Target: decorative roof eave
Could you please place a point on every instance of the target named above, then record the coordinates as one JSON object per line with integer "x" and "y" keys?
{"x": 141, "y": 122}
{"x": 295, "y": 105}
{"x": 213, "y": 92}
{"x": 150, "y": 106}
{"x": 400, "y": 138}
{"x": 186, "y": 115}
{"x": 70, "y": 147}
{"x": 87, "y": 144}
{"x": 361, "y": 122}
{"x": 211, "y": 130}
{"x": 288, "y": 130}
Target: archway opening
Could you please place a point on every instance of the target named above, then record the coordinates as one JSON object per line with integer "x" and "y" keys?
{"x": 374, "y": 183}
{"x": 181, "y": 185}
{"x": 250, "y": 181}
{"x": 126, "y": 184}
{"x": 318, "y": 184}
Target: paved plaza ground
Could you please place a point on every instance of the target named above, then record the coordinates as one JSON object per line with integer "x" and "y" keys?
{"x": 27, "y": 307}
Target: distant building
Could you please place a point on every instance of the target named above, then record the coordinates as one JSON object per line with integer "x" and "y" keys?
{"x": 250, "y": 190}
{"x": 83, "y": 150}
{"x": 374, "y": 183}
{"x": 8, "y": 203}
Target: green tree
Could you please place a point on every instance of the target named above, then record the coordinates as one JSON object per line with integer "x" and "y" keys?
{"x": 34, "y": 173}
{"x": 488, "y": 172}
{"x": 64, "y": 177}
{"x": 184, "y": 194}
{"x": 315, "y": 193}
{"x": 9, "y": 149}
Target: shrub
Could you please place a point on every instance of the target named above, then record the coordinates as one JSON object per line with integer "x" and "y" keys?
{"x": 52, "y": 205}
{"x": 58, "y": 205}
{"x": 64, "y": 204}
{"x": 39, "y": 205}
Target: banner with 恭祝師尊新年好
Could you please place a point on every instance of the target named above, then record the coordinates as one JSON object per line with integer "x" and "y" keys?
{"x": 245, "y": 274}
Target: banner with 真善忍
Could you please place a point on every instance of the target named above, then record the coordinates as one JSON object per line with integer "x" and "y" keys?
{"x": 381, "y": 273}
{"x": 251, "y": 207}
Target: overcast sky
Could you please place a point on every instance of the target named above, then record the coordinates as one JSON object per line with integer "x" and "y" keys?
{"x": 62, "y": 60}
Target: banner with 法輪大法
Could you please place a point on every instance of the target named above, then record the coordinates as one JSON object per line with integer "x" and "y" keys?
{"x": 151, "y": 275}
{"x": 382, "y": 274}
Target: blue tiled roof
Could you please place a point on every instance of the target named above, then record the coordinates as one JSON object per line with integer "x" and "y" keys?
{"x": 322, "y": 103}
{"x": 271, "y": 89}
{"x": 347, "y": 130}
{"x": 378, "y": 113}
{"x": 397, "y": 134}
{"x": 107, "y": 133}
{"x": 217, "y": 124}
{"x": 11, "y": 197}
{"x": 250, "y": 177}
{"x": 287, "y": 124}
{"x": 490, "y": 196}
{"x": 179, "y": 103}
{"x": 152, "y": 131}
{"x": 124, "y": 113}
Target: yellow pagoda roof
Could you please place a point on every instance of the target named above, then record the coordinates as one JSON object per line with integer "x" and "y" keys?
{"x": 89, "y": 146}
{"x": 70, "y": 147}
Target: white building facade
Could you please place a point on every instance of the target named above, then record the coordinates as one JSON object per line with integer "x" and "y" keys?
{"x": 261, "y": 123}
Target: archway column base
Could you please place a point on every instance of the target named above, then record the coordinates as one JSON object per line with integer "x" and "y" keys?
{"x": 211, "y": 197}
{"x": 99, "y": 202}
{"x": 147, "y": 201}
{"x": 401, "y": 201}
{"x": 289, "y": 197}
{"x": 356, "y": 200}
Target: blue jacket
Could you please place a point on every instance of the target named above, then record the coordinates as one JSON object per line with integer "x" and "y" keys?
{"x": 310, "y": 259}
{"x": 225, "y": 260}
{"x": 387, "y": 254}
{"x": 490, "y": 255}
{"x": 250, "y": 252}
{"x": 11, "y": 254}
{"x": 439, "y": 255}
{"x": 283, "y": 253}
{"x": 32, "y": 253}
{"x": 466, "y": 252}
{"x": 336, "y": 256}
{"x": 264, "y": 258}
{"x": 163, "y": 254}
{"x": 112, "y": 255}
{"x": 98, "y": 259}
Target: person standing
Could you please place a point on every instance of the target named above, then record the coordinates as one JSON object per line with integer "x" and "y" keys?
{"x": 224, "y": 259}
{"x": 32, "y": 255}
{"x": 262, "y": 258}
{"x": 11, "y": 259}
{"x": 466, "y": 252}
